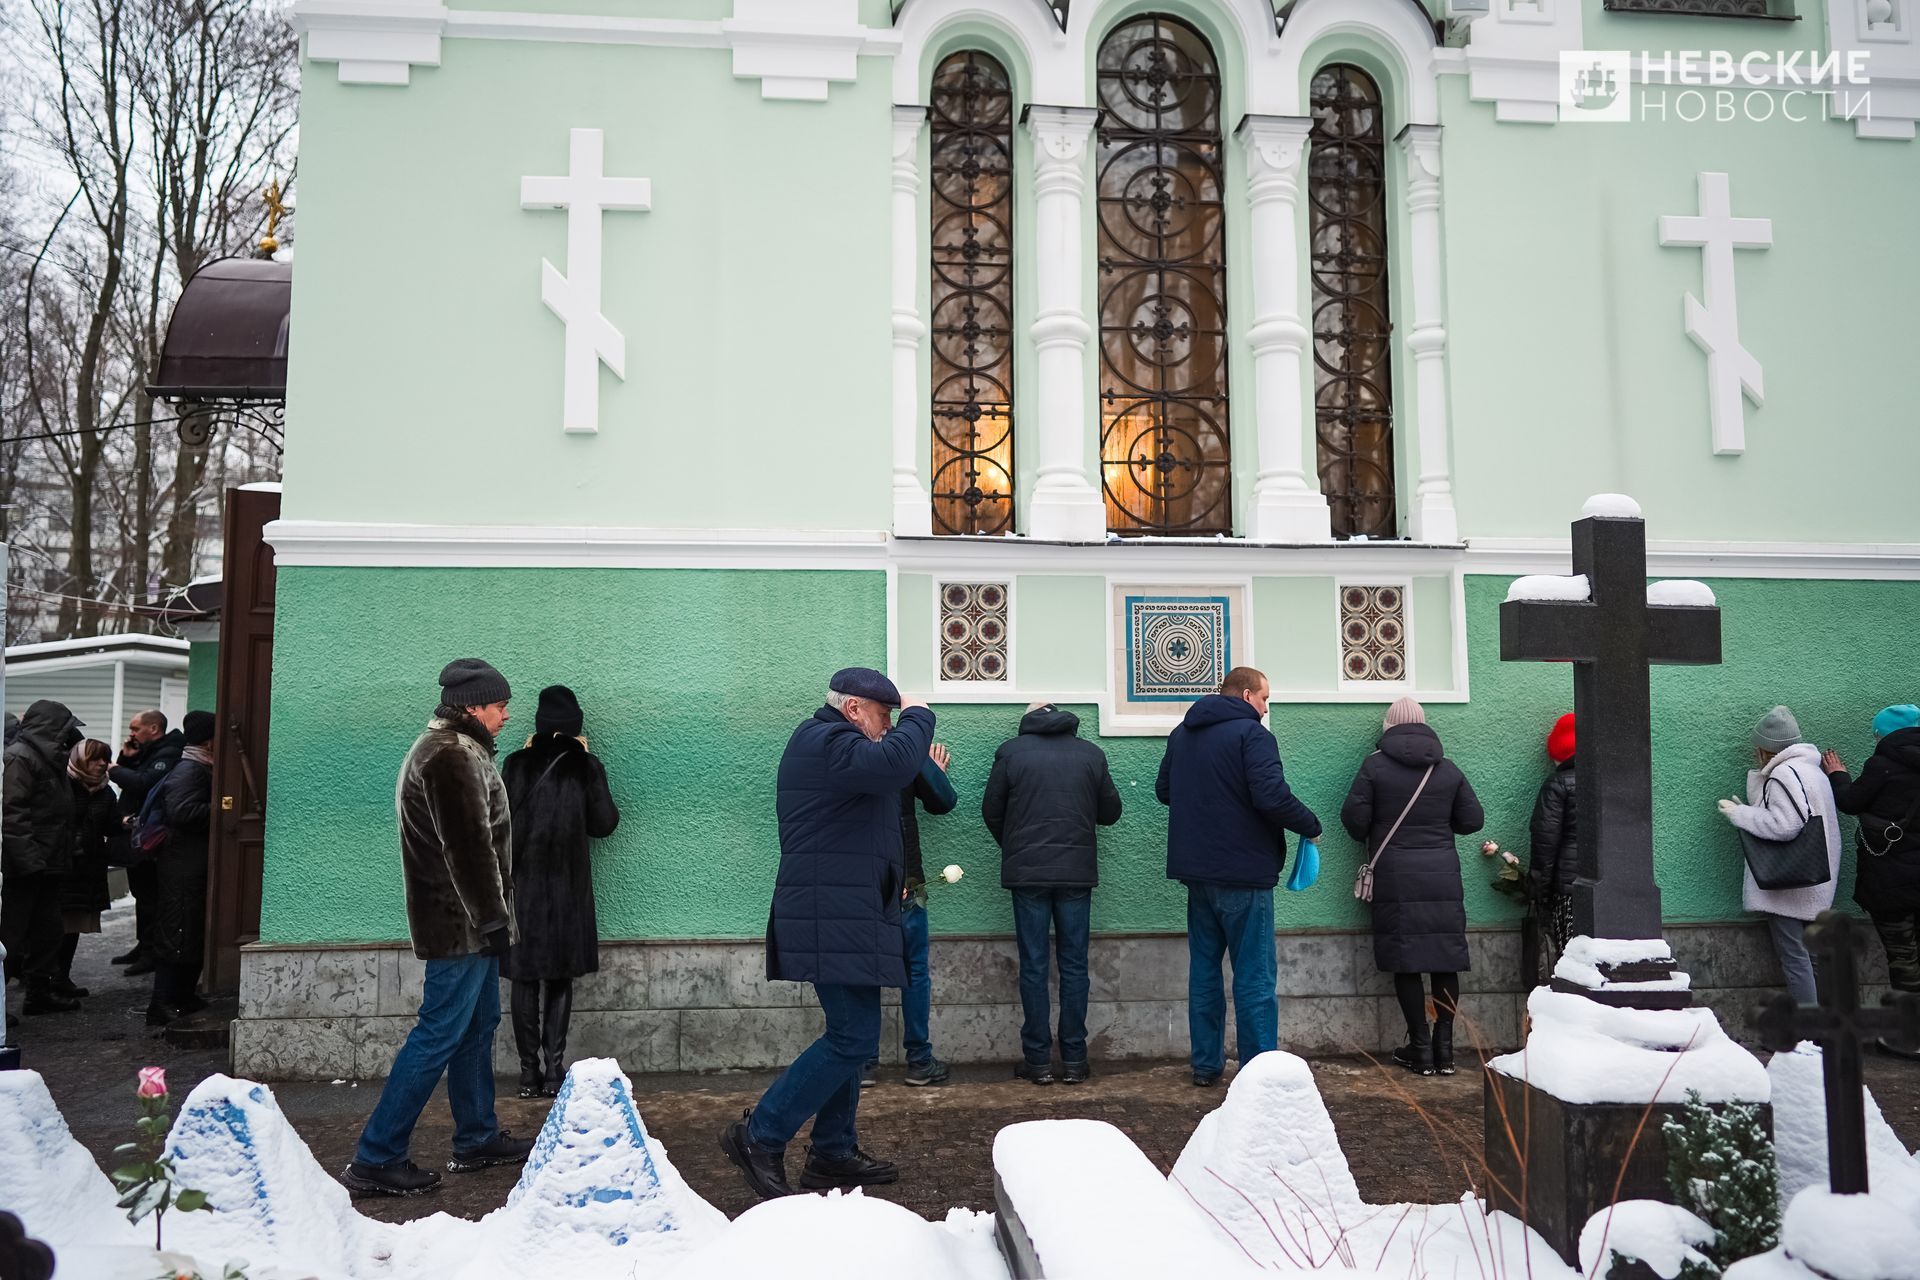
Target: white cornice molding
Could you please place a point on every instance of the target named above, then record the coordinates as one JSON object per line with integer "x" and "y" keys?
{"x": 1887, "y": 561}
{"x": 376, "y": 545}
{"x": 795, "y": 48}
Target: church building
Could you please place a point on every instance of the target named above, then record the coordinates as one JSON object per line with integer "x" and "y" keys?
{"x": 685, "y": 351}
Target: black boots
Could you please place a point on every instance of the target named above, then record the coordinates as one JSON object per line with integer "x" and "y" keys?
{"x": 1443, "y": 1047}
{"x": 539, "y": 1034}
{"x": 42, "y": 998}
{"x": 765, "y": 1170}
{"x": 501, "y": 1148}
{"x": 856, "y": 1170}
{"x": 1416, "y": 1055}
{"x": 403, "y": 1179}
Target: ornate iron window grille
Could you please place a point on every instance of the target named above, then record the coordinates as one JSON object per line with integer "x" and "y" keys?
{"x": 1352, "y": 326}
{"x": 1165, "y": 464}
{"x": 972, "y": 295}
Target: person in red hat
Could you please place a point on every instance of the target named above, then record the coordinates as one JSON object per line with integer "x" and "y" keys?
{"x": 1554, "y": 857}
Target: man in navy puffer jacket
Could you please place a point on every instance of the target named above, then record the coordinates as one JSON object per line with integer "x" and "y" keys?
{"x": 835, "y": 922}
{"x": 1229, "y": 811}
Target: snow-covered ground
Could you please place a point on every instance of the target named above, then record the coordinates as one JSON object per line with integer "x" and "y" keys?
{"x": 1261, "y": 1186}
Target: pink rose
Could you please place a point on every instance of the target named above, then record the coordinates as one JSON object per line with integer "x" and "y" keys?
{"x": 153, "y": 1083}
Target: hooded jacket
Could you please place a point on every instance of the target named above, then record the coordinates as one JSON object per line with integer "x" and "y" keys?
{"x": 38, "y": 830}
{"x": 1887, "y": 792}
{"x": 1048, "y": 792}
{"x": 1419, "y": 905}
{"x": 456, "y": 841}
{"x": 1780, "y": 797}
{"x": 1229, "y": 805}
{"x": 835, "y": 916}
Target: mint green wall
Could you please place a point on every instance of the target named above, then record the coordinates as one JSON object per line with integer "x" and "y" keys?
{"x": 753, "y": 296}
{"x": 690, "y": 706}
{"x": 914, "y": 603}
{"x": 1059, "y": 640}
{"x": 1296, "y": 628}
{"x": 1572, "y": 373}
{"x": 1431, "y": 609}
{"x": 203, "y": 674}
{"x": 686, "y": 699}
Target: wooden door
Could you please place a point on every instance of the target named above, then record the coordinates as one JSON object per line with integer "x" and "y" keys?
{"x": 238, "y": 833}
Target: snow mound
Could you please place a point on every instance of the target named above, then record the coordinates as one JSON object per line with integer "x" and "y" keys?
{"x": 1828, "y": 1237}
{"x": 1580, "y": 963}
{"x": 1546, "y": 586}
{"x": 841, "y": 1237}
{"x": 1661, "y": 1235}
{"x": 1612, "y": 506}
{"x": 596, "y": 1178}
{"x": 1800, "y": 1132}
{"x": 1271, "y": 1136}
{"x": 1680, "y": 591}
{"x": 47, "y": 1179}
{"x": 269, "y": 1197}
{"x": 1580, "y": 1050}
{"x": 1094, "y": 1206}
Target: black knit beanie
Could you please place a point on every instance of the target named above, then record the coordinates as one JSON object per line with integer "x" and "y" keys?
{"x": 558, "y": 712}
{"x": 472, "y": 682}
{"x": 196, "y": 730}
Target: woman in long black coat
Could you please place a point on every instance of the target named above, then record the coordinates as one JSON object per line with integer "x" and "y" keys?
{"x": 1886, "y": 796}
{"x": 558, "y": 795}
{"x": 1419, "y": 905}
{"x": 83, "y": 890}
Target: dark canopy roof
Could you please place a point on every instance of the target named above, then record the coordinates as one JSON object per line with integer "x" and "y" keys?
{"x": 228, "y": 336}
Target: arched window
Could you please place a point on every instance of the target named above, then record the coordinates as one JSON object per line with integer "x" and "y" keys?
{"x": 1352, "y": 325}
{"x": 1163, "y": 283}
{"x": 972, "y": 295}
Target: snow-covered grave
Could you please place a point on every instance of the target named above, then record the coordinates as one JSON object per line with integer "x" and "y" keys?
{"x": 1548, "y": 586}
{"x": 1262, "y": 1186}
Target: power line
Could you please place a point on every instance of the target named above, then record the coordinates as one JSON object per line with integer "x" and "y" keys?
{"x": 81, "y": 431}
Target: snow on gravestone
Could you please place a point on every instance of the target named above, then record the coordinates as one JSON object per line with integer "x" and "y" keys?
{"x": 1267, "y": 1171}
{"x": 47, "y": 1179}
{"x": 1828, "y": 1237}
{"x": 1582, "y": 1051}
{"x": 846, "y": 1237}
{"x": 1095, "y": 1208}
{"x": 597, "y": 1181}
{"x": 269, "y": 1196}
{"x": 1663, "y": 1236}
{"x": 1800, "y": 1132}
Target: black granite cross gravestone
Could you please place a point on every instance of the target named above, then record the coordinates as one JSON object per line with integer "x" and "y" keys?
{"x": 1611, "y": 637}
{"x": 1840, "y": 1027}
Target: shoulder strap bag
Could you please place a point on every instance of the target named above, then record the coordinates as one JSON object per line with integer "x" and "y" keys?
{"x": 1799, "y": 861}
{"x": 1363, "y": 883}
{"x": 1887, "y": 833}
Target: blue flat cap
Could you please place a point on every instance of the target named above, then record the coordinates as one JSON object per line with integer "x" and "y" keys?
{"x": 865, "y": 682}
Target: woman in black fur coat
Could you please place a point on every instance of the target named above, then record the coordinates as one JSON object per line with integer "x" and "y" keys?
{"x": 557, "y": 793}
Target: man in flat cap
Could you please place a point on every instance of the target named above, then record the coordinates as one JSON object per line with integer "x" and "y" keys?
{"x": 835, "y": 923}
{"x": 456, "y": 854}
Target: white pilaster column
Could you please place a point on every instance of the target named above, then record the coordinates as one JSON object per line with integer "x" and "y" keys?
{"x": 1433, "y": 518}
{"x": 1065, "y": 506}
{"x": 1287, "y": 503}
{"x": 912, "y": 506}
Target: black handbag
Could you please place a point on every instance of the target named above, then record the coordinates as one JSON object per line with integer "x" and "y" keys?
{"x": 1798, "y": 862}
{"x": 1889, "y": 835}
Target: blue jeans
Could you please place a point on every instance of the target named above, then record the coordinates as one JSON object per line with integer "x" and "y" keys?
{"x": 1070, "y": 912}
{"x": 824, "y": 1081}
{"x": 459, "y": 1008}
{"x": 1237, "y": 923}
{"x": 916, "y": 1002}
{"x": 1790, "y": 944}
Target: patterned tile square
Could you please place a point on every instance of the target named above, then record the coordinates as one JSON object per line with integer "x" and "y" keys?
{"x": 973, "y": 631}
{"x": 1178, "y": 648}
{"x": 1373, "y": 633}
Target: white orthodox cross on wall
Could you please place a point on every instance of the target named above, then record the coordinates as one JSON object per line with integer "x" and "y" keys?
{"x": 1732, "y": 370}
{"x": 575, "y": 297}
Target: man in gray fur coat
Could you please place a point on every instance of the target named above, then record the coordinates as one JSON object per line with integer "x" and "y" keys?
{"x": 456, "y": 850}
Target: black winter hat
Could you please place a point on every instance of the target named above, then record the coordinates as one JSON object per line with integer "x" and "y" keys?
{"x": 558, "y": 712}
{"x": 197, "y": 729}
{"x": 472, "y": 682}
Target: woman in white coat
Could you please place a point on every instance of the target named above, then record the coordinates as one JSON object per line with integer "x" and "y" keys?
{"x": 1799, "y": 791}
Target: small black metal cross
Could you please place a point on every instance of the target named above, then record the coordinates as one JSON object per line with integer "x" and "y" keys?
{"x": 1840, "y": 1027}
{"x": 1611, "y": 637}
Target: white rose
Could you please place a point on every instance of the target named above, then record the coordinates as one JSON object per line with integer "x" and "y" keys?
{"x": 952, "y": 874}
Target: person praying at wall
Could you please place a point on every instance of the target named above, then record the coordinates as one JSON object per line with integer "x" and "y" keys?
{"x": 1555, "y": 853}
{"x": 558, "y": 795}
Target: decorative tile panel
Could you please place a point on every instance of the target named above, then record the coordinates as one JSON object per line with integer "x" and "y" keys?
{"x": 1373, "y": 633}
{"x": 1178, "y": 648}
{"x": 973, "y": 631}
